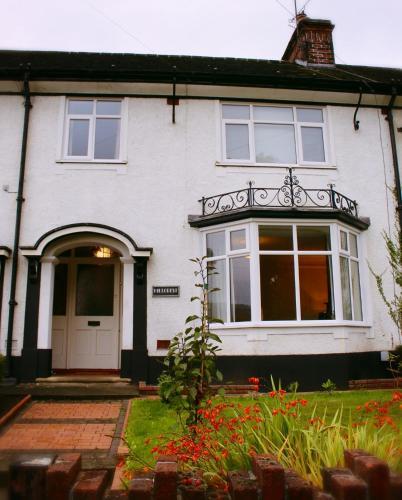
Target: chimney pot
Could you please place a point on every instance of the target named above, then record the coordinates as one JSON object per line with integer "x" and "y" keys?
{"x": 301, "y": 15}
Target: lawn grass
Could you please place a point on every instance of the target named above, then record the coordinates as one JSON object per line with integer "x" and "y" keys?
{"x": 150, "y": 418}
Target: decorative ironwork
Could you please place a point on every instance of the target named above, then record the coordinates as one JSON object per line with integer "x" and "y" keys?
{"x": 290, "y": 195}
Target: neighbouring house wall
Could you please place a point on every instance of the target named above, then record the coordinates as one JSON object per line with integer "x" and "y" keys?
{"x": 169, "y": 167}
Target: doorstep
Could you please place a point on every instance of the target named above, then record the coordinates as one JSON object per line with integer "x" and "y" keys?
{"x": 88, "y": 379}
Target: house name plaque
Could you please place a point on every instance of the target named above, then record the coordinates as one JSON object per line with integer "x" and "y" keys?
{"x": 165, "y": 291}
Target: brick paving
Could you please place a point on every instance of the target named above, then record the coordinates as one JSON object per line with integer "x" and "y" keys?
{"x": 91, "y": 426}
{"x": 58, "y": 437}
{"x": 73, "y": 411}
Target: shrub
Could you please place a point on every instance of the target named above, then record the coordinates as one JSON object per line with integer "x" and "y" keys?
{"x": 190, "y": 361}
{"x": 329, "y": 386}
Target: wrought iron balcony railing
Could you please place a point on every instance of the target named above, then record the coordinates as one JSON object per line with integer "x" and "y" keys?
{"x": 289, "y": 195}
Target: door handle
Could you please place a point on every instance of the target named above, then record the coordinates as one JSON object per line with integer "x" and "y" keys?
{"x": 93, "y": 323}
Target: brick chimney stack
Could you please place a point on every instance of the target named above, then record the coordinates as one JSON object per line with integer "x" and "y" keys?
{"x": 311, "y": 41}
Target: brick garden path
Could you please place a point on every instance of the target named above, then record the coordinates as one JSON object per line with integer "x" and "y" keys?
{"x": 92, "y": 428}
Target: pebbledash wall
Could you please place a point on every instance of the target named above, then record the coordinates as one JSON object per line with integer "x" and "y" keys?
{"x": 166, "y": 169}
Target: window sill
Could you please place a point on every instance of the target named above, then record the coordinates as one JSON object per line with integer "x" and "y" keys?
{"x": 290, "y": 324}
{"x": 274, "y": 165}
{"x": 94, "y": 162}
{"x": 112, "y": 165}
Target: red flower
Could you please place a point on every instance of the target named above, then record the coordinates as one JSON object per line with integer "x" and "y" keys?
{"x": 254, "y": 380}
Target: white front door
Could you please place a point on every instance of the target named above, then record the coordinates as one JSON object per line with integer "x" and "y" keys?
{"x": 93, "y": 322}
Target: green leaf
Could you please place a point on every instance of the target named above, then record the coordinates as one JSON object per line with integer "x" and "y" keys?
{"x": 191, "y": 318}
{"x": 194, "y": 298}
{"x": 216, "y": 320}
{"x": 221, "y": 391}
{"x": 219, "y": 376}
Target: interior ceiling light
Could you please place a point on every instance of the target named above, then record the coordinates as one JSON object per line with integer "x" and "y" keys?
{"x": 103, "y": 252}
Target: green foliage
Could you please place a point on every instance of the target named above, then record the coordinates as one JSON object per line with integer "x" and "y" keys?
{"x": 190, "y": 364}
{"x": 395, "y": 362}
{"x": 329, "y": 386}
{"x": 293, "y": 386}
{"x": 150, "y": 418}
{"x": 393, "y": 302}
{"x": 2, "y": 366}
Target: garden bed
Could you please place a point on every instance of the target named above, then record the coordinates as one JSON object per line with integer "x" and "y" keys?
{"x": 360, "y": 419}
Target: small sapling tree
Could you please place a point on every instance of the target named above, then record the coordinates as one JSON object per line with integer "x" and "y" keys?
{"x": 190, "y": 364}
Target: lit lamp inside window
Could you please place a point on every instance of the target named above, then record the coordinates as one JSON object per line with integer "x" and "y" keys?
{"x": 103, "y": 252}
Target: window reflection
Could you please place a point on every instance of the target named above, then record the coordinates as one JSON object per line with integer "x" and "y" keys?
{"x": 315, "y": 276}
{"x": 240, "y": 298}
{"x": 277, "y": 288}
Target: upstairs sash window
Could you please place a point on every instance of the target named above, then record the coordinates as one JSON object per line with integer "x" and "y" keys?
{"x": 92, "y": 129}
{"x": 283, "y": 135}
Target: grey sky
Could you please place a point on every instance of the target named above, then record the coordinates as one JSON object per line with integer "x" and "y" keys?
{"x": 367, "y": 32}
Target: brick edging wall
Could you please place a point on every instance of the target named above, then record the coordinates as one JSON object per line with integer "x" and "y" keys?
{"x": 60, "y": 477}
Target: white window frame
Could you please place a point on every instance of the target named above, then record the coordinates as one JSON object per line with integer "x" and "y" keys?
{"x": 251, "y": 226}
{"x": 89, "y": 158}
{"x": 243, "y": 252}
{"x": 351, "y": 258}
{"x": 324, "y": 126}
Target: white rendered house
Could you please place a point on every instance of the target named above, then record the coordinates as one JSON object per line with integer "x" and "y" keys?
{"x": 126, "y": 166}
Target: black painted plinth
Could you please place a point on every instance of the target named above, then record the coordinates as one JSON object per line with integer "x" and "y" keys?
{"x": 309, "y": 370}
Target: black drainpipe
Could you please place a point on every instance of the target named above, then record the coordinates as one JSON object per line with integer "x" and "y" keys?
{"x": 390, "y": 119}
{"x": 20, "y": 200}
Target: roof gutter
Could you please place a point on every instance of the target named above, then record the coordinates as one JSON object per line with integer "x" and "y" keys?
{"x": 18, "y": 215}
{"x": 398, "y": 190}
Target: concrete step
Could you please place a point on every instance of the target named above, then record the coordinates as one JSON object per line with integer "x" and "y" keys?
{"x": 83, "y": 379}
{"x": 74, "y": 390}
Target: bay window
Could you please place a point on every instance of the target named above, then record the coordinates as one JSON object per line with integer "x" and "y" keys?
{"x": 283, "y": 135}
{"x": 284, "y": 272}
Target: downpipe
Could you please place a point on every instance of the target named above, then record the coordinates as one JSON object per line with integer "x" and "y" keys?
{"x": 18, "y": 216}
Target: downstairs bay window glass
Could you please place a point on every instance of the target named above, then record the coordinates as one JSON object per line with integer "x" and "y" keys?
{"x": 217, "y": 299}
{"x": 313, "y": 238}
{"x": 357, "y": 300}
{"x": 277, "y": 283}
{"x": 216, "y": 244}
{"x": 350, "y": 277}
{"x": 295, "y": 266}
{"x": 296, "y": 280}
{"x": 275, "y": 237}
{"x": 228, "y": 261}
{"x": 316, "y": 288}
{"x": 345, "y": 282}
{"x": 240, "y": 298}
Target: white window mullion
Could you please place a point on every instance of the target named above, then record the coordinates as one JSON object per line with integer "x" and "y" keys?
{"x": 251, "y": 141}
{"x": 336, "y": 272}
{"x": 228, "y": 291}
{"x": 92, "y": 128}
{"x": 299, "y": 143}
{"x": 255, "y": 282}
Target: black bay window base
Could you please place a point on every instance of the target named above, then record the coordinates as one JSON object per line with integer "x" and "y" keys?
{"x": 310, "y": 371}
